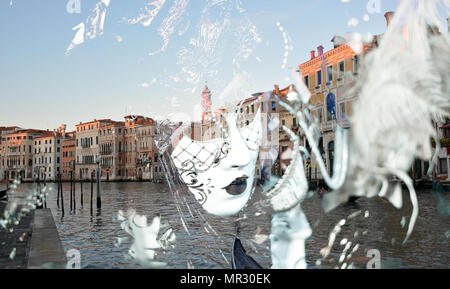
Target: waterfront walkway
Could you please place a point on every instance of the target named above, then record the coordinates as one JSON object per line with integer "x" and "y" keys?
{"x": 19, "y": 239}
{"x": 35, "y": 240}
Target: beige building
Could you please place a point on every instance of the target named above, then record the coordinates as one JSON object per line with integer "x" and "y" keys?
{"x": 3, "y": 131}
{"x": 110, "y": 147}
{"x": 146, "y": 151}
{"x": 87, "y": 150}
{"x": 18, "y": 153}
{"x": 68, "y": 156}
{"x": 47, "y": 156}
{"x": 329, "y": 76}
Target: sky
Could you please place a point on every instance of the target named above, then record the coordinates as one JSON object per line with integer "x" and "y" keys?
{"x": 157, "y": 65}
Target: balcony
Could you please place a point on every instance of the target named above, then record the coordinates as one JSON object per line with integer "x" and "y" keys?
{"x": 327, "y": 126}
{"x": 331, "y": 125}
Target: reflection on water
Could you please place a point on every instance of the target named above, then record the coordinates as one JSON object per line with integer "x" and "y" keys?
{"x": 95, "y": 234}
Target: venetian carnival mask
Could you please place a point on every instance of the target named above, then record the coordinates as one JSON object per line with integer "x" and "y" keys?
{"x": 221, "y": 173}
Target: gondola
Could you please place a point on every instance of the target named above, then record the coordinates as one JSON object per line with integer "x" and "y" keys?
{"x": 4, "y": 195}
{"x": 240, "y": 259}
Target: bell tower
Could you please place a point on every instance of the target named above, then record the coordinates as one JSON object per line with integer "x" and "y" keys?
{"x": 206, "y": 102}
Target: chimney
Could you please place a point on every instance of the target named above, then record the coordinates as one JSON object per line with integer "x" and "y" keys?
{"x": 276, "y": 91}
{"x": 313, "y": 54}
{"x": 389, "y": 16}
{"x": 320, "y": 50}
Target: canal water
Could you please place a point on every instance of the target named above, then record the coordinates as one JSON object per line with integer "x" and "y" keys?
{"x": 374, "y": 225}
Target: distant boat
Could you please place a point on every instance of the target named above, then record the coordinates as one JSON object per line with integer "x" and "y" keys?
{"x": 240, "y": 259}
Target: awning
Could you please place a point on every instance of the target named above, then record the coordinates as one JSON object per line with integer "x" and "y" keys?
{"x": 447, "y": 125}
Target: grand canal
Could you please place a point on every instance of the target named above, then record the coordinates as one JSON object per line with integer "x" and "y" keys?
{"x": 380, "y": 226}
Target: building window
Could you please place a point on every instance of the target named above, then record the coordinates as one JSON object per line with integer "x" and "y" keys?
{"x": 283, "y": 122}
{"x": 341, "y": 69}
{"x": 307, "y": 81}
{"x": 262, "y": 106}
{"x": 274, "y": 106}
{"x": 356, "y": 63}
{"x": 342, "y": 106}
{"x": 319, "y": 77}
{"x": 330, "y": 73}
{"x": 319, "y": 115}
{"x": 443, "y": 166}
{"x": 284, "y": 148}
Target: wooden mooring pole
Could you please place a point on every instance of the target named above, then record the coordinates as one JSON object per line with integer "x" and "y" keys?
{"x": 99, "y": 196}
{"x": 71, "y": 201}
{"x": 72, "y": 187}
{"x": 57, "y": 184}
{"x": 92, "y": 191}
{"x": 81, "y": 190}
{"x": 62, "y": 194}
{"x": 45, "y": 191}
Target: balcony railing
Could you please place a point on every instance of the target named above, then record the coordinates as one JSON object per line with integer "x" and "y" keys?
{"x": 327, "y": 126}
{"x": 331, "y": 125}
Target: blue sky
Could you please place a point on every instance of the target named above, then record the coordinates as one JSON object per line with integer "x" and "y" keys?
{"x": 42, "y": 87}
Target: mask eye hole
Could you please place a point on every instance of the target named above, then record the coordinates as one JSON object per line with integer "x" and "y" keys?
{"x": 251, "y": 137}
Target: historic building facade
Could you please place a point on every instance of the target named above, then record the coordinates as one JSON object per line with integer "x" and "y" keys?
{"x": 68, "y": 151}
{"x": 87, "y": 147}
{"x": 110, "y": 149}
{"x": 47, "y": 156}
{"x": 18, "y": 153}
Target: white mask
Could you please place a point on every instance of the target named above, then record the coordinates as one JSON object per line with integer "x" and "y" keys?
{"x": 221, "y": 173}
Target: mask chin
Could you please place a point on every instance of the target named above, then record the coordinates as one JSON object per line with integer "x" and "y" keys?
{"x": 223, "y": 204}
